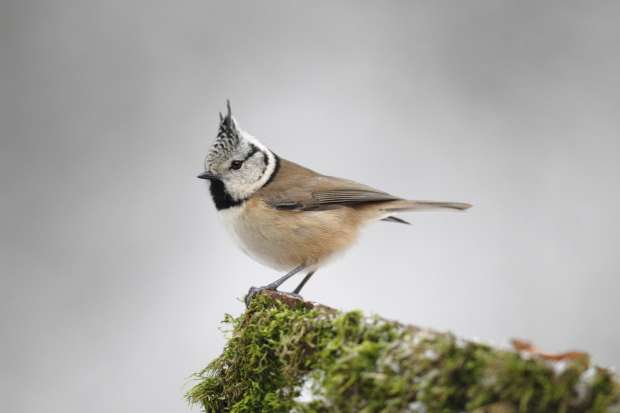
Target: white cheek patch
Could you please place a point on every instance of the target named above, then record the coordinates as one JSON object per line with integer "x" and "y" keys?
{"x": 268, "y": 171}
{"x": 242, "y": 190}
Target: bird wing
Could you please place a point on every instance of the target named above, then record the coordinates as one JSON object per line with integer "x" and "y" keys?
{"x": 296, "y": 188}
{"x": 320, "y": 192}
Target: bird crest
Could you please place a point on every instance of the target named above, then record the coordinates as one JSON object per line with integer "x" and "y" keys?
{"x": 227, "y": 140}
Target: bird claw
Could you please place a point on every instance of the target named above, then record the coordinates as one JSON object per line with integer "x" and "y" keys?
{"x": 256, "y": 290}
{"x": 253, "y": 291}
{"x": 294, "y": 295}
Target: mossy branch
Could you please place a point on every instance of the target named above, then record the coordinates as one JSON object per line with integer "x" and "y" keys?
{"x": 288, "y": 355}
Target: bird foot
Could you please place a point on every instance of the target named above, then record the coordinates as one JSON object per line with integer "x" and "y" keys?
{"x": 292, "y": 295}
{"x": 255, "y": 290}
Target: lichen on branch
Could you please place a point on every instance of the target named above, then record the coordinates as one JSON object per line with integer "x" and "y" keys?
{"x": 287, "y": 355}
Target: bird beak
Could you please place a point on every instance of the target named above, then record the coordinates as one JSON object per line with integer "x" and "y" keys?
{"x": 207, "y": 175}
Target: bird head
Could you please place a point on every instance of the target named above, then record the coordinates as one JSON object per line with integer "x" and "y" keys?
{"x": 237, "y": 161}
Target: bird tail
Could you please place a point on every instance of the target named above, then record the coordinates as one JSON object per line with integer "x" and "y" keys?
{"x": 407, "y": 205}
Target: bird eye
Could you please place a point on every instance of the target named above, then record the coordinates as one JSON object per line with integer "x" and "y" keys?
{"x": 236, "y": 164}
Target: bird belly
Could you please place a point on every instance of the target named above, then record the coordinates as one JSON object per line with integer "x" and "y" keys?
{"x": 285, "y": 239}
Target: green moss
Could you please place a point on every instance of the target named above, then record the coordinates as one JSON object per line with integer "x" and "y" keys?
{"x": 346, "y": 362}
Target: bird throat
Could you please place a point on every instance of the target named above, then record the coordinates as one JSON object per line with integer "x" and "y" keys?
{"x": 221, "y": 198}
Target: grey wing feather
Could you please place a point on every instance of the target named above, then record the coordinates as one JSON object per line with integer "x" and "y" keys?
{"x": 350, "y": 196}
{"x": 325, "y": 192}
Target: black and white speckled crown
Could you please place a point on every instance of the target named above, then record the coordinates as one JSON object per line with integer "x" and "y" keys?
{"x": 228, "y": 138}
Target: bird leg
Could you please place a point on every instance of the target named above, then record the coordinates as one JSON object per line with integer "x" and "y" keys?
{"x": 303, "y": 282}
{"x": 273, "y": 285}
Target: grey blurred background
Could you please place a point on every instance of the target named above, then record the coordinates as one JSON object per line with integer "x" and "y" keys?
{"x": 115, "y": 271}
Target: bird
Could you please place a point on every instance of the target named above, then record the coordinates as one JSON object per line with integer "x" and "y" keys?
{"x": 289, "y": 217}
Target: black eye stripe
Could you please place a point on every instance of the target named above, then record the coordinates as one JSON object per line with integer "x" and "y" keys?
{"x": 236, "y": 164}
{"x": 252, "y": 152}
